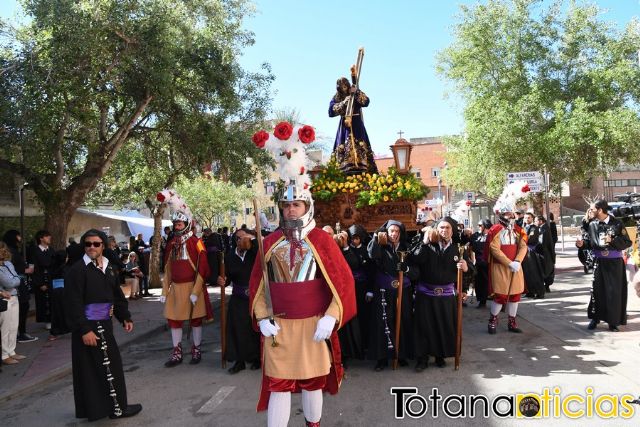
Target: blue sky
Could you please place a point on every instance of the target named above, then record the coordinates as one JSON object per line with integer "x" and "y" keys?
{"x": 309, "y": 44}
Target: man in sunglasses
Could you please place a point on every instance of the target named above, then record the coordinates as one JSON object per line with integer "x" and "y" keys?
{"x": 93, "y": 296}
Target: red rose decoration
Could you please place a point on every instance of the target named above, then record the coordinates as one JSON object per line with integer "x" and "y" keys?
{"x": 260, "y": 138}
{"x": 301, "y": 170}
{"x": 283, "y": 131}
{"x": 526, "y": 188}
{"x": 306, "y": 185}
{"x": 306, "y": 134}
{"x": 160, "y": 197}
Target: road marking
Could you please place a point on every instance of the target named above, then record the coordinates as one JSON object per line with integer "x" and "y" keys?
{"x": 216, "y": 400}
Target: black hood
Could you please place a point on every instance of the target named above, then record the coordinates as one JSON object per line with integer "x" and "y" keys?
{"x": 358, "y": 230}
{"x": 403, "y": 231}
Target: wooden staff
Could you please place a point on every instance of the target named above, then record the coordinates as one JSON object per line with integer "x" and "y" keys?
{"x": 459, "y": 314}
{"x": 265, "y": 274}
{"x": 223, "y": 314}
{"x": 401, "y": 254}
{"x": 348, "y": 117}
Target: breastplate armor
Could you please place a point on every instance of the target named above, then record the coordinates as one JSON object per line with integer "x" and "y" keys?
{"x": 304, "y": 266}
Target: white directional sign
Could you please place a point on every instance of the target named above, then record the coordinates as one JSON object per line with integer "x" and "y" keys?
{"x": 534, "y": 179}
{"x": 432, "y": 203}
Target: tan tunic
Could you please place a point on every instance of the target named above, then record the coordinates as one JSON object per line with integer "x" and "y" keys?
{"x": 178, "y": 304}
{"x": 500, "y": 273}
{"x": 297, "y": 356}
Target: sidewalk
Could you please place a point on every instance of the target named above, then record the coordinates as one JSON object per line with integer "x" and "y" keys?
{"x": 49, "y": 360}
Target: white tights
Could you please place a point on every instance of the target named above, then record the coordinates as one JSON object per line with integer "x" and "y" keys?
{"x": 512, "y": 308}
{"x": 279, "y": 409}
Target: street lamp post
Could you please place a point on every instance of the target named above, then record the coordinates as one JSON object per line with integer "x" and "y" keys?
{"x": 440, "y": 194}
{"x": 21, "y": 197}
{"x": 444, "y": 166}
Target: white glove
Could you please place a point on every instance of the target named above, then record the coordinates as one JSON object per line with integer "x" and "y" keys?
{"x": 267, "y": 328}
{"x": 193, "y": 298}
{"x": 324, "y": 329}
{"x": 163, "y": 299}
{"x": 514, "y": 266}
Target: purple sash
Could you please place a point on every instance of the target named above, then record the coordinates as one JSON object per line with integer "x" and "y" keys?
{"x": 359, "y": 275}
{"x": 606, "y": 254}
{"x": 240, "y": 291}
{"x": 300, "y": 300}
{"x": 432, "y": 290}
{"x": 98, "y": 311}
{"x": 384, "y": 281}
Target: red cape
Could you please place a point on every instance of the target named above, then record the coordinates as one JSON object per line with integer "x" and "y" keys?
{"x": 336, "y": 271}
{"x": 198, "y": 256}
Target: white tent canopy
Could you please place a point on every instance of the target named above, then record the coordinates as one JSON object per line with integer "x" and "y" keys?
{"x": 136, "y": 222}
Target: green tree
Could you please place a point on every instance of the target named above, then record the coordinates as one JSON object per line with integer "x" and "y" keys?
{"x": 86, "y": 81}
{"x": 552, "y": 88}
{"x": 211, "y": 199}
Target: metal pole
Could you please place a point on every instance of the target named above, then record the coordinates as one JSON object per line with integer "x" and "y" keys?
{"x": 24, "y": 240}
{"x": 546, "y": 194}
{"x": 440, "y": 195}
{"x": 561, "y": 226}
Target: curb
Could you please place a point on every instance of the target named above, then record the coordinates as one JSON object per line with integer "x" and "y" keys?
{"x": 65, "y": 370}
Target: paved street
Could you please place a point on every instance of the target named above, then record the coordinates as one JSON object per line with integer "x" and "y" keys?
{"x": 556, "y": 350}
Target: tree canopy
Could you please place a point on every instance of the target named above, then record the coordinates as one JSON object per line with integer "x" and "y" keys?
{"x": 544, "y": 87}
{"x": 212, "y": 200}
{"x": 151, "y": 84}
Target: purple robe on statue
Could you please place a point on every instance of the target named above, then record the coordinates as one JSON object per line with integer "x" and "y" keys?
{"x": 342, "y": 148}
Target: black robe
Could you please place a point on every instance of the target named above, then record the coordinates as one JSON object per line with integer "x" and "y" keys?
{"x": 57, "y": 303}
{"x": 350, "y": 334}
{"x": 364, "y": 284}
{"x": 435, "y": 317}
{"x": 215, "y": 251}
{"x": 42, "y": 261}
{"x": 585, "y": 255}
{"x": 532, "y": 266}
{"x": 609, "y": 302}
{"x": 243, "y": 343}
{"x": 478, "y": 242}
{"x": 86, "y": 284}
{"x": 386, "y": 260}
{"x": 549, "y": 254}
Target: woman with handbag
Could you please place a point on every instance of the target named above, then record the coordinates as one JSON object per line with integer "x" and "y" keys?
{"x": 9, "y": 282}
{"x": 13, "y": 239}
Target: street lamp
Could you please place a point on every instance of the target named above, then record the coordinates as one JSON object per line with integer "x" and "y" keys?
{"x": 21, "y": 196}
{"x": 401, "y": 155}
{"x": 440, "y": 194}
{"x": 444, "y": 166}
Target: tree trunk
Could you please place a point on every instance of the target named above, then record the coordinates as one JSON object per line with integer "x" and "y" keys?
{"x": 56, "y": 222}
{"x": 537, "y": 202}
{"x": 154, "y": 267}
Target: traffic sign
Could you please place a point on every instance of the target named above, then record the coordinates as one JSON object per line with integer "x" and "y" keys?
{"x": 524, "y": 175}
{"x": 432, "y": 203}
{"x": 533, "y": 178}
{"x": 470, "y": 196}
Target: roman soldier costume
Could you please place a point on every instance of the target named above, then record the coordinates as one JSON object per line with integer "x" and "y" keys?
{"x": 184, "y": 292}
{"x": 306, "y": 295}
{"x": 506, "y": 249}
